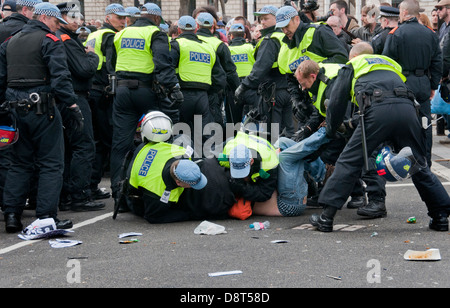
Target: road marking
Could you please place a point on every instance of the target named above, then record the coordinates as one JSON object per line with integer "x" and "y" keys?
{"x": 76, "y": 226}
{"x": 411, "y": 184}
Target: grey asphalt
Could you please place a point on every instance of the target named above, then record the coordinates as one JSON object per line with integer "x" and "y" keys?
{"x": 172, "y": 256}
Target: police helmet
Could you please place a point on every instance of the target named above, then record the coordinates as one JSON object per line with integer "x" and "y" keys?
{"x": 156, "y": 127}
{"x": 396, "y": 167}
{"x": 9, "y": 133}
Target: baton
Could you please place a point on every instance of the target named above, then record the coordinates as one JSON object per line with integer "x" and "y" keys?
{"x": 364, "y": 140}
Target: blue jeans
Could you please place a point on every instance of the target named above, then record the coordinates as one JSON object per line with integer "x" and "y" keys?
{"x": 292, "y": 186}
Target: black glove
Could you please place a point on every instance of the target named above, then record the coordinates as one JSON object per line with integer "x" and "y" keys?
{"x": 302, "y": 110}
{"x": 302, "y": 133}
{"x": 76, "y": 119}
{"x": 176, "y": 97}
{"x": 239, "y": 94}
{"x": 237, "y": 186}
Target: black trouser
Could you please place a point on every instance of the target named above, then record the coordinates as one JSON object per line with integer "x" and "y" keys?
{"x": 40, "y": 144}
{"x": 5, "y": 156}
{"x": 282, "y": 112}
{"x": 129, "y": 106}
{"x": 79, "y": 154}
{"x": 101, "y": 109}
{"x": 394, "y": 122}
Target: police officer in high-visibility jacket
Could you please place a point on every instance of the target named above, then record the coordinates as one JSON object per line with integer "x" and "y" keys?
{"x": 242, "y": 56}
{"x": 375, "y": 83}
{"x": 142, "y": 60}
{"x": 100, "y": 95}
{"x": 302, "y": 42}
{"x": 197, "y": 69}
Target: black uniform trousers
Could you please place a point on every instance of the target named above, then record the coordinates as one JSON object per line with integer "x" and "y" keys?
{"x": 79, "y": 154}
{"x": 129, "y": 106}
{"x": 390, "y": 121}
{"x": 40, "y": 145}
{"x": 101, "y": 109}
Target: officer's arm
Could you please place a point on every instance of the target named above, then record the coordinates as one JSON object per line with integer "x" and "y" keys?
{"x": 329, "y": 46}
{"x": 61, "y": 82}
{"x": 436, "y": 65}
{"x": 81, "y": 64}
{"x": 218, "y": 78}
{"x": 175, "y": 53}
{"x": 224, "y": 54}
{"x": 3, "y": 71}
{"x": 390, "y": 47}
{"x": 339, "y": 98}
{"x": 265, "y": 58}
{"x": 109, "y": 50}
{"x": 164, "y": 69}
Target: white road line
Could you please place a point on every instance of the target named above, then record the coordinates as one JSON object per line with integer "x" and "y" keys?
{"x": 410, "y": 184}
{"x": 76, "y": 226}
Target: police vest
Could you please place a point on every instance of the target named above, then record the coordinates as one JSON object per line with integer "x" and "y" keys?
{"x": 365, "y": 64}
{"x": 242, "y": 57}
{"x": 331, "y": 71}
{"x": 95, "y": 40}
{"x": 275, "y": 35}
{"x": 133, "y": 47}
{"x": 266, "y": 150}
{"x": 148, "y": 166}
{"x": 213, "y": 41}
{"x": 196, "y": 61}
{"x": 290, "y": 59}
{"x": 26, "y": 67}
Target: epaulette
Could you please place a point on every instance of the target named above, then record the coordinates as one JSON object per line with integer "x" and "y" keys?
{"x": 393, "y": 30}
{"x": 65, "y": 37}
{"x": 53, "y": 37}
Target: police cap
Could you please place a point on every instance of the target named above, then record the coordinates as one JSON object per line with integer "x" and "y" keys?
{"x": 389, "y": 11}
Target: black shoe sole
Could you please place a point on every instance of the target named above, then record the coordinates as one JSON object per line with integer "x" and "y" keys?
{"x": 442, "y": 227}
{"x": 320, "y": 227}
{"x": 86, "y": 209}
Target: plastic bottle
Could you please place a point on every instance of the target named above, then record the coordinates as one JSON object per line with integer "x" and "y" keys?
{"x": 260, "y": 225}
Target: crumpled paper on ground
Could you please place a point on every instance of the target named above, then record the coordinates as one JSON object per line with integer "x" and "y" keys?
{"x": 209, "y": 228}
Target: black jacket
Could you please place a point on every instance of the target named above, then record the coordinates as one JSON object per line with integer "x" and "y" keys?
{"x": 109, "y": 51}
{"x": 82, "y": 65}
{"x": 54, "y": 56}
{"x": 421, "y": 59}
{"x": 11, "y": 25}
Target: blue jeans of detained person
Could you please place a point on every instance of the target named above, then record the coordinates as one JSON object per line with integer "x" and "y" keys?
{"x": 292, "y": 186}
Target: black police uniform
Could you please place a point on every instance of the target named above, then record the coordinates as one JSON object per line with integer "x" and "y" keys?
{"x": 135, "y": 97}
{"x": 34, "y": 61}
{"x": 379, "y": 39}
{"x": 196, "y": 93}
{"x": 263, "y": 73}
{"x": 14, "y": 23}
{"x": 416, "y": 48}
{"x": 101, "y": 103}
{"x": 80, "y": 147}
{"x": 383, "y": 117}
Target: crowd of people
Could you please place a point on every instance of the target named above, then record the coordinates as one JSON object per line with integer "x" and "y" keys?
{"x": 320, "y": 108}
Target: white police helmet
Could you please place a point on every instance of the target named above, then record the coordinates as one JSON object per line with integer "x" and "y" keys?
{"x": 156, "y": 127}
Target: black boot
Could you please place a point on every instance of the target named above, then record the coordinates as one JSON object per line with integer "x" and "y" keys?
{"x": 86, "y": 205}
{"x": 60, "y": 224}
{"x": 356, "y": 202}
{"x": 13, "y": 223}
{"x": 439, "y": 222}
{"x": 376, "y": 208}
{"x": 324, "y": 221}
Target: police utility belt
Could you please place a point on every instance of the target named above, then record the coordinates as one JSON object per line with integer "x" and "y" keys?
{"x": 378, "y": 96}
{"x": 40, "y": 103}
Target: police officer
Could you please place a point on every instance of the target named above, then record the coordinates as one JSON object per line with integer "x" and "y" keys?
{"x": 102, "y": 92}
{"x": 134, "y": 13}
{"x": 160, "y": 172}
{"x": 421, "y": 59}
{"x": 205, "y": 32}
{"x": 33, "y": 71}
{"x": 253, "y": 164}
{"x": 15, "y": 22}
{"x": 388, "y": 20}
{"x": 142, "y": 60}
{"x": 243, "y": 58}
{"x": 376, "y": 84}
{"x": 304, "y": 41}
{"x": 265, "y": 72}
{"x": 198, "y": 70}
{"x": 80, "y": 148}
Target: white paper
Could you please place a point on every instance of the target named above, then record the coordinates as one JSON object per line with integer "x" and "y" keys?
{"x": 129, "y": 234}
{"x": 224, "y": 273}
{"x": 63, "y": 243}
